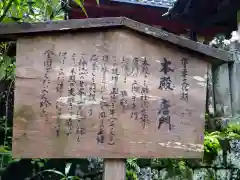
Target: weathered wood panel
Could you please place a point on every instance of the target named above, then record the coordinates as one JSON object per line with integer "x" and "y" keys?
{"x": 125, "y": 131}
{"x": 114, "y": 169}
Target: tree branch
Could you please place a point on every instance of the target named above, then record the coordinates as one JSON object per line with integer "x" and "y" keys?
{"x": 6, "y": 10}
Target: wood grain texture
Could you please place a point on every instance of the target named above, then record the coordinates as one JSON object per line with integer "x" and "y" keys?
{"x": 33, "y": 137}
{"x": 16, "y": 30}
{"x": 114, "y": 169}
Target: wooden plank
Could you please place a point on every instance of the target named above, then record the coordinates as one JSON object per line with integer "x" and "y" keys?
{"x": 118, "y": 129}
{"x": 221, "y": 83}
{"x": 14, "y": 31}
{"x": 50, "y": 26}
{"x": 114, "y": 169}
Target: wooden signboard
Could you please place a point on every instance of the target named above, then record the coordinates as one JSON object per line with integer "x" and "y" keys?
{"x": 114, "y": 94}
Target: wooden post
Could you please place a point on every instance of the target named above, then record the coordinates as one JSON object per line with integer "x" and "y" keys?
{"x": 114, "y": 169}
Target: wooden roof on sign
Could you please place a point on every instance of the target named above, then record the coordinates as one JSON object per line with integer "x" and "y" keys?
{"x": 15, "y": 30}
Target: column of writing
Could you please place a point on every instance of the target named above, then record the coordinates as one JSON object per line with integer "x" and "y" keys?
{"x": 92, "y": 87}
{"x": 44, "y": 101}
{"x": 165, "y": 84}
{"x": 135, "y": 88}
{"x": 82, "y": 72}
{"x": 185, "y": 84}
{"x": 144, "y": 94}
{"x": 124, "y": 94}
{"x": 60, "y": 89}
{"x": 102, "y": 114}
{"x": 71, "y": 98}
{"x": 113, "y": 100}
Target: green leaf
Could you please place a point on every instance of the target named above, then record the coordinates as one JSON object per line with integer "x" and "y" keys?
{"x": 81, "y": 5}
{"x": 233, "y": 135}
{"x": 16, "y": 18}
{"x": 54, "y": 171}
{"x": 98, "y": 2}
{"x": 30, "y": 7}
{"x": 73, "y": 178}
{"x": 131, "y": 175}
{"x": 17, "y": 2}
{"x": 40, "y": 164}
{"x": 45, "y": 160}
{"x": 31, "y": 2}
{"x": 67, "y": 168}
{"x": 49, "y": 10}
{"x": 15, "y": 160}
{"x": 7, "y": 20}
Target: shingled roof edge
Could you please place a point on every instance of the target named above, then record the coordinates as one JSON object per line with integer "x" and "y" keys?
{"x": 12, "y": 31}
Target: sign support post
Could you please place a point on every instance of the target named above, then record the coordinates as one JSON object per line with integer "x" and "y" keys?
{"x": 114, "y": 169}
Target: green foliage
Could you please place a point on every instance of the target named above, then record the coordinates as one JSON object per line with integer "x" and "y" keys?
{"x": 132, "y": 164}
{"x": 5, "y": 155}
{"x": 30, "y": 10}
{"x": 132, "y": 169}
{"x": 131, "y": 175}
{"x": 80, "y": 3}
{"x": 7, "y": 68}
{"x": 63, "y": 176}
{"x": 211, "y": 142}
{"x": 211, "y": 146}
{"x": 233, "y": 131}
